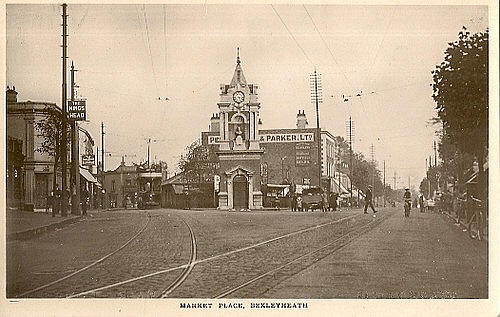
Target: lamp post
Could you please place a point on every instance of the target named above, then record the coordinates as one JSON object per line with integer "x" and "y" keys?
{"x": 282, "y": 170}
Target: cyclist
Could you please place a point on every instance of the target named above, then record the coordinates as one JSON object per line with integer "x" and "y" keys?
{"x": 407, "y": 201}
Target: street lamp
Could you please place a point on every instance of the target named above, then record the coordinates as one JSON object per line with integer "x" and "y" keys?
{"x": 282, "y": 170}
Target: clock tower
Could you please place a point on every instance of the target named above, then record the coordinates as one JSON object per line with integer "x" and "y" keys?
{"x": 239, "y": 149}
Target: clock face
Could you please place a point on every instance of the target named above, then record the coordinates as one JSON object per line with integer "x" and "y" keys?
{"x": 238, "y": 97}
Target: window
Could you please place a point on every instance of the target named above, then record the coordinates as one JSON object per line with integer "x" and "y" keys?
{"x": 113, "y": 186}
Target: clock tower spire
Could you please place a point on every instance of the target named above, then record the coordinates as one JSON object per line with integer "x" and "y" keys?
{"x": 238, "y": 77}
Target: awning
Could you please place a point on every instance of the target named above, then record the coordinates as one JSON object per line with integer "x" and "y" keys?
{"x": 88, "y": 176}
{"x": 343, "y": 190}
{"x": 278, "y": 188}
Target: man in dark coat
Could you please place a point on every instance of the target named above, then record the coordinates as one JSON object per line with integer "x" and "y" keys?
{"x": 85, "y": 197}
{"x": 368, "y": 200}
{"x": 56, "y": 201}
{"x": 332, "y": 200}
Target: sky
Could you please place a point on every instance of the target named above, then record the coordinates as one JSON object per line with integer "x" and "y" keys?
{"x": 127, "y": 56}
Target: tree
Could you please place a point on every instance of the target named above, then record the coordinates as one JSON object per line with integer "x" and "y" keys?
{"x": 198, "y": 164}
{"x": 460, "y": 90}
{"x": 49, "y": 130}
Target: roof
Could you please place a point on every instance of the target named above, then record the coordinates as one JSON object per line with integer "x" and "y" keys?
{"x": 277, "y": 185}
{"x": 176, "y": 179}
{"x": 238, "y": 77}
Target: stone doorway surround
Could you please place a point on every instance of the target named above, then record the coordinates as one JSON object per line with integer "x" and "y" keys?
{"x": 226, "y": 198}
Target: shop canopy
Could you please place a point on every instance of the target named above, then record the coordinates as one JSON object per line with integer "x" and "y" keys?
{"x": 89, "y": 177}
{"x": 343, "y": 190}
{"x": 278, "y": 188}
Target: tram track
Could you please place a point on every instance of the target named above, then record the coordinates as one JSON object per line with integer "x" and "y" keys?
{"x": 190, "y": 265}
{"x": 85, "y": 268}
{"x": 187, "y": 268}
{"x": 330, "y": 248}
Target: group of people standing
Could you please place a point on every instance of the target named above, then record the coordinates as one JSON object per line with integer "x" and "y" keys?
{"x": 329, "y": 202}
{"x": 54, "y": 200}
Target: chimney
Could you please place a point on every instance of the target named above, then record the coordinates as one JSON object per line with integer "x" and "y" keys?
{"x": 301, "y": 120}
{"x": 11, "y": 95}
{"x": 215, "y": 123}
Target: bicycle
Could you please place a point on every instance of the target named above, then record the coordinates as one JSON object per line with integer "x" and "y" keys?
{"x": 477, "y": 219}
{"x": 407, "y": 208}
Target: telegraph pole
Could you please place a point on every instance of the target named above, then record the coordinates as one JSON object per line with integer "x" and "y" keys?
{"x": 372, "y": 153}
{"x": 64, "y": 141}
{"x": 350, "y": 135}
{"x": 316, "y": 99}
{"x": 97, "y": 161}
{"x": 149, "y": 141}
{"x": 394, "y": 178}
{"x": 75, "y": 179}
{"x": 384, "y": 184}
{"x": 102, "y": 164}
{"x": 102, "y": 147}
{"x": 435, "y": 153}
{"x": 339, "y": 165}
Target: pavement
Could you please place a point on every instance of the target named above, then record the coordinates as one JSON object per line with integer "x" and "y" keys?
{"x": 424, "y": 256}
{"x": 25, "y": 224}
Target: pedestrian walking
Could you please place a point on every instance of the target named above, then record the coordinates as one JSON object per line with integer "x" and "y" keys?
{"x": 421, "y": 202}
{"x": 85, "y": 195}
{"x": 294, "y": 202}
{"x": 368, "y": 200}
{"x": 299, "y": 203}
{"x": 332, "y": 201}
{"x": 407, "y": 202}
{"x": 48, "y": 205}
{"x": 326, "y": 205}
{"x": 56, "y": 201}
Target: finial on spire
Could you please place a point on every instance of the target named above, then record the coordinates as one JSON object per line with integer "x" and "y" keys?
{"x": 238, "y": 57}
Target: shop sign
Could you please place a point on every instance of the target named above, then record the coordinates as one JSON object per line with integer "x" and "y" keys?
{"x": 213, "y": 139}
{"x": 88, "y": 159}
{"x": 287, "y": 137}
{"x": 302, "y": 154}
{"x": 216, "y": 183}
{"x": 77, "y": 110}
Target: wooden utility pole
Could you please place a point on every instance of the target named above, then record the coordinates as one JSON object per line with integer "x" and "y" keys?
{"x": 64, "y": 141}
{"x": 75, "y": 155}
{"x": 102, "y": 147}
{"x": 350, "y": 153}
{"x": 102, "y": 165}
{"x": 384, "y": 185}
{"x": 316, "y": 99}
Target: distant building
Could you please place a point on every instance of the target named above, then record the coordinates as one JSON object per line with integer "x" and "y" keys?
{"x": 126, "y": 183}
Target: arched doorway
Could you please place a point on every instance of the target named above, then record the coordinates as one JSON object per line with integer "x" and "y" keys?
{"x": 240, "y": 192}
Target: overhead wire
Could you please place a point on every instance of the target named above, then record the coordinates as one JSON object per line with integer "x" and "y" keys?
{"x": 326, "y": 45}
{"x": 165, "y": 45}
{"x": 149, "y": 45}
{"x": 292, "y": 36}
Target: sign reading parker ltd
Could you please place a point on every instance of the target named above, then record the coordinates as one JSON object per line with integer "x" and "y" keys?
{"x": 287, "y": 137}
